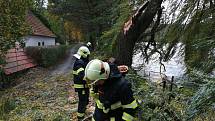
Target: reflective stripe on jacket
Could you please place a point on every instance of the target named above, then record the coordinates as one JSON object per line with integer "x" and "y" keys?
{"x": 78, "y": 73}
{"x": 116, "y": 102}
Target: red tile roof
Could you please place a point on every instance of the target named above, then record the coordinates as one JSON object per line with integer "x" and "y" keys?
{"x": 17, "y": 60}
{"x": 38, "y": 28}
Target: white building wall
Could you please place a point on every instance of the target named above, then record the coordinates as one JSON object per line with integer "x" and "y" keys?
{"x": 34, "y": 40}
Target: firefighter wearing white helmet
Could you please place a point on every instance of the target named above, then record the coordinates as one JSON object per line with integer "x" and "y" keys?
{"x": 82, "y": 59}
{"x": 97, "y": 70}
{"x": 114, "y": 97}
{"x": 89, "y": 45}
{"x": 82, "y": 52}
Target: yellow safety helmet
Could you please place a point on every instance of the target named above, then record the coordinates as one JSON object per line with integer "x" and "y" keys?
{"x": 83, "y": 51}
{"x": 96, "y": 70}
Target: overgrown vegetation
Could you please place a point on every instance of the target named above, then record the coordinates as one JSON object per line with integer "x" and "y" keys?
{"x": 7, "y": 81}
{"x": 6, "y": 105}
{"x": 183, "y": 102}
{"x": 47, "y": 56}
{"x": 201, "y": 105}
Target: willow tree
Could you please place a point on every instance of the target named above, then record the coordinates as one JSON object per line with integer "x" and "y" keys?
{"x": 190, "y": 22}
{"x": 199, "y": 34}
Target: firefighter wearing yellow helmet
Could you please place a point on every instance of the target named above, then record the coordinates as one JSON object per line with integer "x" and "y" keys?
{"x": 114, "y": 100}
{"x": 82, "y": 59}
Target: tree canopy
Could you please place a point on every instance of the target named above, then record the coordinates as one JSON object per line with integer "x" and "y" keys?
{"x": 12, "y": 22}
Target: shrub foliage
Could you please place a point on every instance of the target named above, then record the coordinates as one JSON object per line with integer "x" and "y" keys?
{"x": 47, "y": 56}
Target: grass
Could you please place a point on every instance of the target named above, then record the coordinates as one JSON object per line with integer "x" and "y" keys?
{"x": 43, "y": 98}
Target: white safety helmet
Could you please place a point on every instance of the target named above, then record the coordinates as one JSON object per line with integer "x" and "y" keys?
{"x": 89, "y": 44}
{"x": 96, "y": 70}
{"x": 83, "y": 51}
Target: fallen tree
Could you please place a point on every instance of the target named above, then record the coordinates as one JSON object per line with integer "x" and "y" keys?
{"x": 135, "y": 27}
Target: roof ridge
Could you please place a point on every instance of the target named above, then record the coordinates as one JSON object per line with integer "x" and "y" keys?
{"x": 38, "y": 27}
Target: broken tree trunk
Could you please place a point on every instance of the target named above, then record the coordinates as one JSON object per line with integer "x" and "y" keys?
{"x": 133, "y": 30}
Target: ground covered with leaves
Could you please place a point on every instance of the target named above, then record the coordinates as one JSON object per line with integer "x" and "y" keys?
{"x": 40, "y": 96}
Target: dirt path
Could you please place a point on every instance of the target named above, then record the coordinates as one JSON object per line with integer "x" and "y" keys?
{"x": 43, "y": 95}
{"x": 67, "y": 65}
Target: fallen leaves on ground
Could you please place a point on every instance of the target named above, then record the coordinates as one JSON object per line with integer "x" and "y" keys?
{"x": 40, "y": 96}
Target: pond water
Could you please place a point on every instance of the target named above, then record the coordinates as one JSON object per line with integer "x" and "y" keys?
{"x": 174, "y": 67}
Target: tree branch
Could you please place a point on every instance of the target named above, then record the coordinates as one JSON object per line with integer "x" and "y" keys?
{"x": 151, "y": 41}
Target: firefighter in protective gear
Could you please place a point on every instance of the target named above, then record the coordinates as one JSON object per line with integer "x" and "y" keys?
{"x": 89, "y": 46}
{"x": 115, "y": 101}
{"x": 82, "y": 58}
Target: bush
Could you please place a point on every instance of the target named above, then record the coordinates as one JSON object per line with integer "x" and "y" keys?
{"x": 47, "y": 56}
{"x": 202, "y": 104}
{"x": 154, "y": 101}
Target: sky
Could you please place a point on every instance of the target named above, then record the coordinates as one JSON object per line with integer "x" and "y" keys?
{"x": 46, "y": 3}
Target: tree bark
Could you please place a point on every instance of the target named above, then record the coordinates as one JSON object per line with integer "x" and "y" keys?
{"x": 137, "y": 25}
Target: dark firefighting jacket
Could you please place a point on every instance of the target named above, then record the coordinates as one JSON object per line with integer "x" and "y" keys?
{"x": 115, "y": 101}
{"x": 78, "y": 73}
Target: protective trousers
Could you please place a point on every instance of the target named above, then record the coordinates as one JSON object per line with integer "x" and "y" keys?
{"x": 83, "y": 96}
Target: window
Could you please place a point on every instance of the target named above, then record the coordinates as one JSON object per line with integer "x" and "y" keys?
{"x": 43, "y": 43}
{"x": 39, "y": 44}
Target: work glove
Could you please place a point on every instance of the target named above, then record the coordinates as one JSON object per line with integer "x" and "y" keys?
{"x": 93, "y": 94}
